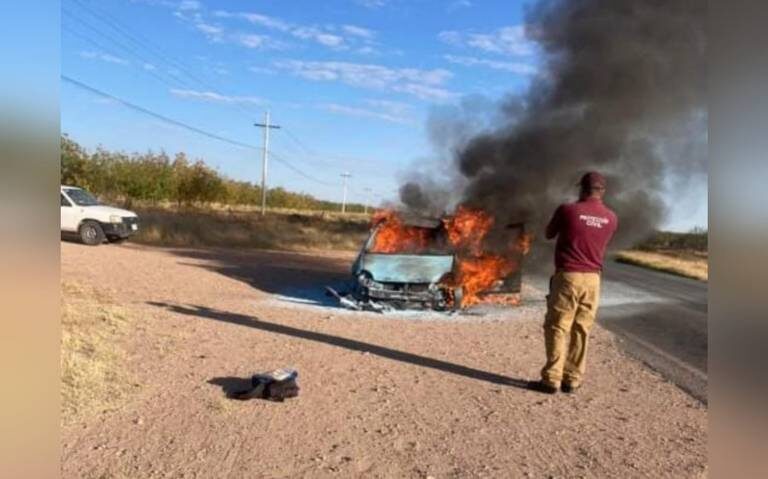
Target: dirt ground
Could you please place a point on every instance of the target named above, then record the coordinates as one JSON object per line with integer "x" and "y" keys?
{"x": 382, "y": 395}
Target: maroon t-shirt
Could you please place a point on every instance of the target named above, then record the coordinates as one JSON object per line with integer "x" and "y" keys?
{"x": 583, "y": 230}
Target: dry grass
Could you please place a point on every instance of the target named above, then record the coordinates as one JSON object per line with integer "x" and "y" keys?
{"x": 297, "y": 231}
{"x": 691, "y": 264}
{"x": 93, "y": 375}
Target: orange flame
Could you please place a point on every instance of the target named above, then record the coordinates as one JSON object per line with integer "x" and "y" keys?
{"x": 523, "y": 243}
{"x": 476, "y": 275}
{"x": 394, "y": 236}
{"x": 467, "y": 229}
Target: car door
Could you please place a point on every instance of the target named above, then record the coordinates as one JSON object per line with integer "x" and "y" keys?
{"x": 69, "y": 214}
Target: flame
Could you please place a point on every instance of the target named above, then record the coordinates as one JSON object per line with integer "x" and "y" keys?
{"x": 507, "y": 299}
{"x": 476, "y": 275}
{"x": 523, "y": 243}
{"x": 477, "y": 270}
{"x": 467, "y": 229}
{"x": 394, "y": 236}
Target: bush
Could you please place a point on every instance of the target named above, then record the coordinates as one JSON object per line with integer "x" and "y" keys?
{"x": 696, "y": 240}
{"x": 151, "y": 178}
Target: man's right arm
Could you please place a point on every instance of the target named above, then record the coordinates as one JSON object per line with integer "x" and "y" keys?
{"x": 553, "y": 228}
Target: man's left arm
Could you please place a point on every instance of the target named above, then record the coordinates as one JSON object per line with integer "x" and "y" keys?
{"x": 615, "y": 227}
{"x": 554, "y": 224}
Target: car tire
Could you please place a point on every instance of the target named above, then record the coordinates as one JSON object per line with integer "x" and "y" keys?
{"x": 91, "y": 233}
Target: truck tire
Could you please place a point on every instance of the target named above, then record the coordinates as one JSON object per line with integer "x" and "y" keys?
{"x": 91, "y": 233}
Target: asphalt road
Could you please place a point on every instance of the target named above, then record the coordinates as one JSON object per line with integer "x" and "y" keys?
{"x": 661, "y": 320}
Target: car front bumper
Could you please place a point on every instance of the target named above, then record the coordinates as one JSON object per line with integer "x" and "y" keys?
{"x": 128, "y": 227}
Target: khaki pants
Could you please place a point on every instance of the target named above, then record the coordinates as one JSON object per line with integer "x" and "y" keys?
{"x": 571, "y": 309}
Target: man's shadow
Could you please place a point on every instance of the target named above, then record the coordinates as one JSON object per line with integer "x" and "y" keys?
{"x": 229, "y": 384}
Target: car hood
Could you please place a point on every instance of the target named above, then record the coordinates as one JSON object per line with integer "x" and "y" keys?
{"x": 103, "y": 211}
{"x": 406, "y": 268}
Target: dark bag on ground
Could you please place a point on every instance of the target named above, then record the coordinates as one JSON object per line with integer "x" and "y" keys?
{"x": 275, "y": 385}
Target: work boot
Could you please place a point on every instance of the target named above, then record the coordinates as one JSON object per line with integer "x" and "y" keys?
{"x": 569, "y": 388}
{"x": 542, "y": 387}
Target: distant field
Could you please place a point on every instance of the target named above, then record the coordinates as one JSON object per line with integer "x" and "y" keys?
{"x": 245, "y": 227}
{"x": 684, "y": 254}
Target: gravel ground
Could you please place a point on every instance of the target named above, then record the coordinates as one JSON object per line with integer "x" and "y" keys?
{"x": 397, "y": 395}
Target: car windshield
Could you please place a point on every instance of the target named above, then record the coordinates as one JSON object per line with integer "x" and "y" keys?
{"x": 408, "y": 239}
{"x": 82, "y": 197}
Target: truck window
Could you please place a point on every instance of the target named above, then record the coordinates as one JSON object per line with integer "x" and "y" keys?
{"x": 64, "y": 201}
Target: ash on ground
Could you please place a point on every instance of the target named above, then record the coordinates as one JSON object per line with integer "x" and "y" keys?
{"x": 532, "y": 303}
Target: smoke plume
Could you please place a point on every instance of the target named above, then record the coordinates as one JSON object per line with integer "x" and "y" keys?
{"x": 622, "y": 91}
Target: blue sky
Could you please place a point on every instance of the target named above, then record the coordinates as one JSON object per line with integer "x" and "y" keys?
{"x": 351, "y": 82}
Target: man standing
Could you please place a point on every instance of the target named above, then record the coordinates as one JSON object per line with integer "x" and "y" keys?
{"x": 583, "y": 230}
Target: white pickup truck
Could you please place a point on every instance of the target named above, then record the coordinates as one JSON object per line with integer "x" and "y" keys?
{"x": 94, "y": 223}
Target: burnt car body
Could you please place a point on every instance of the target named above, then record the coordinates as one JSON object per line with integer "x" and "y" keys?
{"x": 404, "y": 279}
{"x": 420, "y": 280}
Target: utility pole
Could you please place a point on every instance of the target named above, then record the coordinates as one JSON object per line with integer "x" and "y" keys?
{"x": 264, "y": 160}
{"x": 346, "y": 176}
{"x": 367, "y": 199}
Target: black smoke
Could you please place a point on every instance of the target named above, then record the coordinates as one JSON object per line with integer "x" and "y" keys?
{"x": 622, "y": 91}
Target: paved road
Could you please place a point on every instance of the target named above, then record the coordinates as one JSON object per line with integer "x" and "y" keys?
{"x": 661, "y": 319}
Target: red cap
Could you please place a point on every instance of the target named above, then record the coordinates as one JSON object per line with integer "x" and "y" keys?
{"x": 593, "y": 180}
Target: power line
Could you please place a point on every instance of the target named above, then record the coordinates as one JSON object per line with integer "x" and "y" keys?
{"x": 297, "y": 170}
{"x": 299, "y": 142}
{"x": 137, "y": 39}
{"x": 315, "y": 154}
{"x": 171, "y": 81}
{"x": 147, "y": 46}
{"x": 124, "y": 32}
{"x": 99, "y": 46}
{"x": 277, "y": 157}
{"x": 158, "y": 116}
{"x": 309, "y": 151}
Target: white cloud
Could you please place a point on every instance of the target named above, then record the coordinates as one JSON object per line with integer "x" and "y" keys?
{"x": 357, "y": 31}
{"x": 149, "y": 67}
{"x": 424, "y": 84}
{"x": 105, "y": 57}
{"x": 210, "y": 29}
{"x": 217, "y": 97}
{"x": 189, "y": 5}
{"x": 393, "y": 107}
{"x": 263, "y": 20}
{"x": 366, "y": 113}
{"x": 458, "y": 4}
{"x": 330, "y": 36}
{"x": 212, "y": 32}
{"x": 372, "y": 3}
{"x": 266, "y": 71}
{"x": 328, "y": 39}
{"x": 426, "y": 92}
{"x": 513, "y": 67}
{"x": 509, "y": 40}
{"x": 253, "y": 41}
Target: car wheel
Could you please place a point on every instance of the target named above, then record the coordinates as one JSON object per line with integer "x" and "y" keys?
{"x": 91, "y": 233}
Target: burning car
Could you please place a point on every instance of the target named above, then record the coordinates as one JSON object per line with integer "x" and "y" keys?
{"x": 443, "y": 264}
